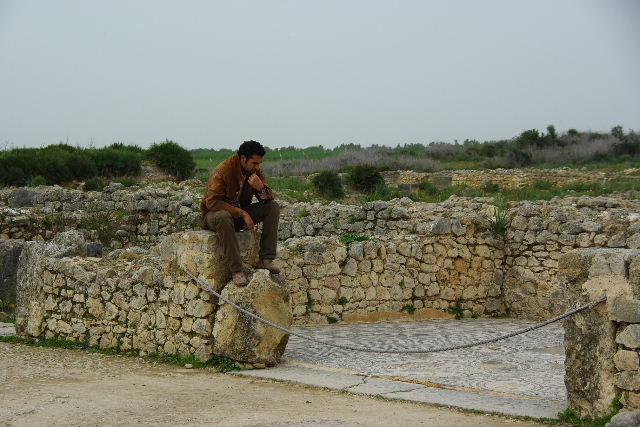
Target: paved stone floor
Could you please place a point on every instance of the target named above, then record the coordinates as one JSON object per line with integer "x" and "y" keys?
{"x": 531, "y": 364}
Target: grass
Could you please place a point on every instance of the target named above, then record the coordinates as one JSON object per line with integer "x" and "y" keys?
{"x": 409, "y": 308}
{"x": 500, "y": 221}
{"x": 351, "y": 237}
{"x": 304, "y": 213}
{"x": 308, "y": 306}
{"x": 457, "y": 310}
{"x": 568, "y": 416}
{"x": 222, "y": 364}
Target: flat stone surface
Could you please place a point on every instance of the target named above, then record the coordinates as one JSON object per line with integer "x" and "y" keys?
{"x": 530, "y": 365}
{"x": 509, "y": 405}
{"x": 523, "y": 375}
{"x": 7, "y": 329}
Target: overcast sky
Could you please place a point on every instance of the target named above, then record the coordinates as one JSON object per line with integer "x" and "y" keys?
{"x": 299, "y": 73}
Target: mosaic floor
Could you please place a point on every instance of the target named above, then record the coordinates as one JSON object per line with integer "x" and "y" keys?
{"x": 531, "y": 364}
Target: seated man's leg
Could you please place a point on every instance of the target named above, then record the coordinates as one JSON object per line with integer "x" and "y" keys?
{"x": 223, "y": 223}
{"x": 269, "y": 214}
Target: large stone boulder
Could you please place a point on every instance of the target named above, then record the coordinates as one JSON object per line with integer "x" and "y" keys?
{"x": 201, "y": 253}
{"x": 245, "y": 339}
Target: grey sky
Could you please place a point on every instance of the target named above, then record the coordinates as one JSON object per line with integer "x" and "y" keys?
{"x": 213, "y": 74}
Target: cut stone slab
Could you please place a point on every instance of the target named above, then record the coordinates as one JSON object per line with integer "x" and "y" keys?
{"x": 361, "y": 384}
{"x": 245, "y": 339}
{"x": 307, "y": 376}
{"x": 484, "y": 402}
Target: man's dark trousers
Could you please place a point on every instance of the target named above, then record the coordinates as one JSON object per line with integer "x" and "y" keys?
{"x": 267, "y": 213}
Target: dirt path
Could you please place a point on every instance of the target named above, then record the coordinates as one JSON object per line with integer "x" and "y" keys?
{"x": 45, "y": 386}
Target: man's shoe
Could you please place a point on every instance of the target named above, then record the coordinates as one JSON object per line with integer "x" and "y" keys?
{"x": 239, "y": 278}
{"x": 268, "y": 264}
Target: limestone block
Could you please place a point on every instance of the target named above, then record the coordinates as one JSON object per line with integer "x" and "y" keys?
{"x": 630, "y": 337}
{"x": 628, "y": 380}
{"x": 201, "y": 252}
{"x": 244, "y": 339}
{"x": 626, "y": 360}
{"x": 624, "y": 309}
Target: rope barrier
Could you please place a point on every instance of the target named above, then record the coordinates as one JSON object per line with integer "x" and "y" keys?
{"x": 207, "y": 288}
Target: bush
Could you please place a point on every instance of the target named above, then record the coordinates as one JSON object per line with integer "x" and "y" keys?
{"x": 428, "y": 187}
{"x": 111, "y": 162}
{"x": 365, "y": 178}
{"x": 94, "y": 184}
{"x": 328, "y": 184}
{"x": 172, "y": 158}
{"x": 35, "y": 181}
{"x": 490, "y": 187}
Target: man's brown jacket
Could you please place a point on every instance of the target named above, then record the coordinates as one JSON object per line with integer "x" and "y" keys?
{"x": 223, "y": 189}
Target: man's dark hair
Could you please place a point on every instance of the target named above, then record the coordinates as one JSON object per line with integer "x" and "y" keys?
{"x": 249, "y": 148}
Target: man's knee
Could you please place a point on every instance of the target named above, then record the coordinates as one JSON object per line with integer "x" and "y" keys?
{"x": 219, "y": 219}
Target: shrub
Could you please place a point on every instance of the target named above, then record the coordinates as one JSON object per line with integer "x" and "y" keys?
{"x": 127, "y": 182}
{"x": 93, "y": 184}
{"x": 541, "y": 185}
{"x": 364, "y": 177}
{"x": 328, "y": 184}
{"x": 34, "y": 181}
{"x": 172, "y": 158}
{"x": 428, "y": 188}
{"x": 490, "y": 187}
{"x": 111, "y": 162}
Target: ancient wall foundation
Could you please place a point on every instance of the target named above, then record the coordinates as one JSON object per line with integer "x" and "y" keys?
{"x": 602, "y": 344}
{"x": 135, "y": 299}
{"x": 447, "y": 256}
{"x": 504, "y": 178}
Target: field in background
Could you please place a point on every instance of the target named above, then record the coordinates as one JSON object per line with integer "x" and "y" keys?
{"x": 614, "y": 151}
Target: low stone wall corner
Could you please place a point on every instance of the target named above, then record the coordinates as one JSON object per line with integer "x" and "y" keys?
{"x": 602, "y": 344}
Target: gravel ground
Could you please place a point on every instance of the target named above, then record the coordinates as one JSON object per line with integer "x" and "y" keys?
{"x": 48, "y": 386}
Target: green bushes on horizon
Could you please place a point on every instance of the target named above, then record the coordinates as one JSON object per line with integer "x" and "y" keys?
{"x": 62, "y": 163}
{"x": 172, "y": 158}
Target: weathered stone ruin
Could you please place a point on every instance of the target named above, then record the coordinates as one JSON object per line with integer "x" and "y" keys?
{"x": 602, "y": 344}
{"x": 135, "y": 299}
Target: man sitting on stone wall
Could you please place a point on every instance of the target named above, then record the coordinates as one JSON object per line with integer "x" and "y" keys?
{"x": 226, "y": 207}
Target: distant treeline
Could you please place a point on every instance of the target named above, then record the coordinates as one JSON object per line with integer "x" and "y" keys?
{"x": 61, "y": 163}
{"x": 530, "y": 148}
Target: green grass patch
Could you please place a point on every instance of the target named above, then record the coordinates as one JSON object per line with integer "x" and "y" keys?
{"x": 409, "y": 308}
{"x": 568, "y": 416}
{"x": 351, "y": 237}
{"x": 456, "y": 309}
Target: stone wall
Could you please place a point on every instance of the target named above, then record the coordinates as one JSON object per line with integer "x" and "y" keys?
{"x": 134, "y": 299}
{"x": 602, "y": 344}
{"x": 408, "y": 276}
{"x": 523, "y": 260}
{"x": 118, "y": 216}
{"x": 504, "y": 178}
